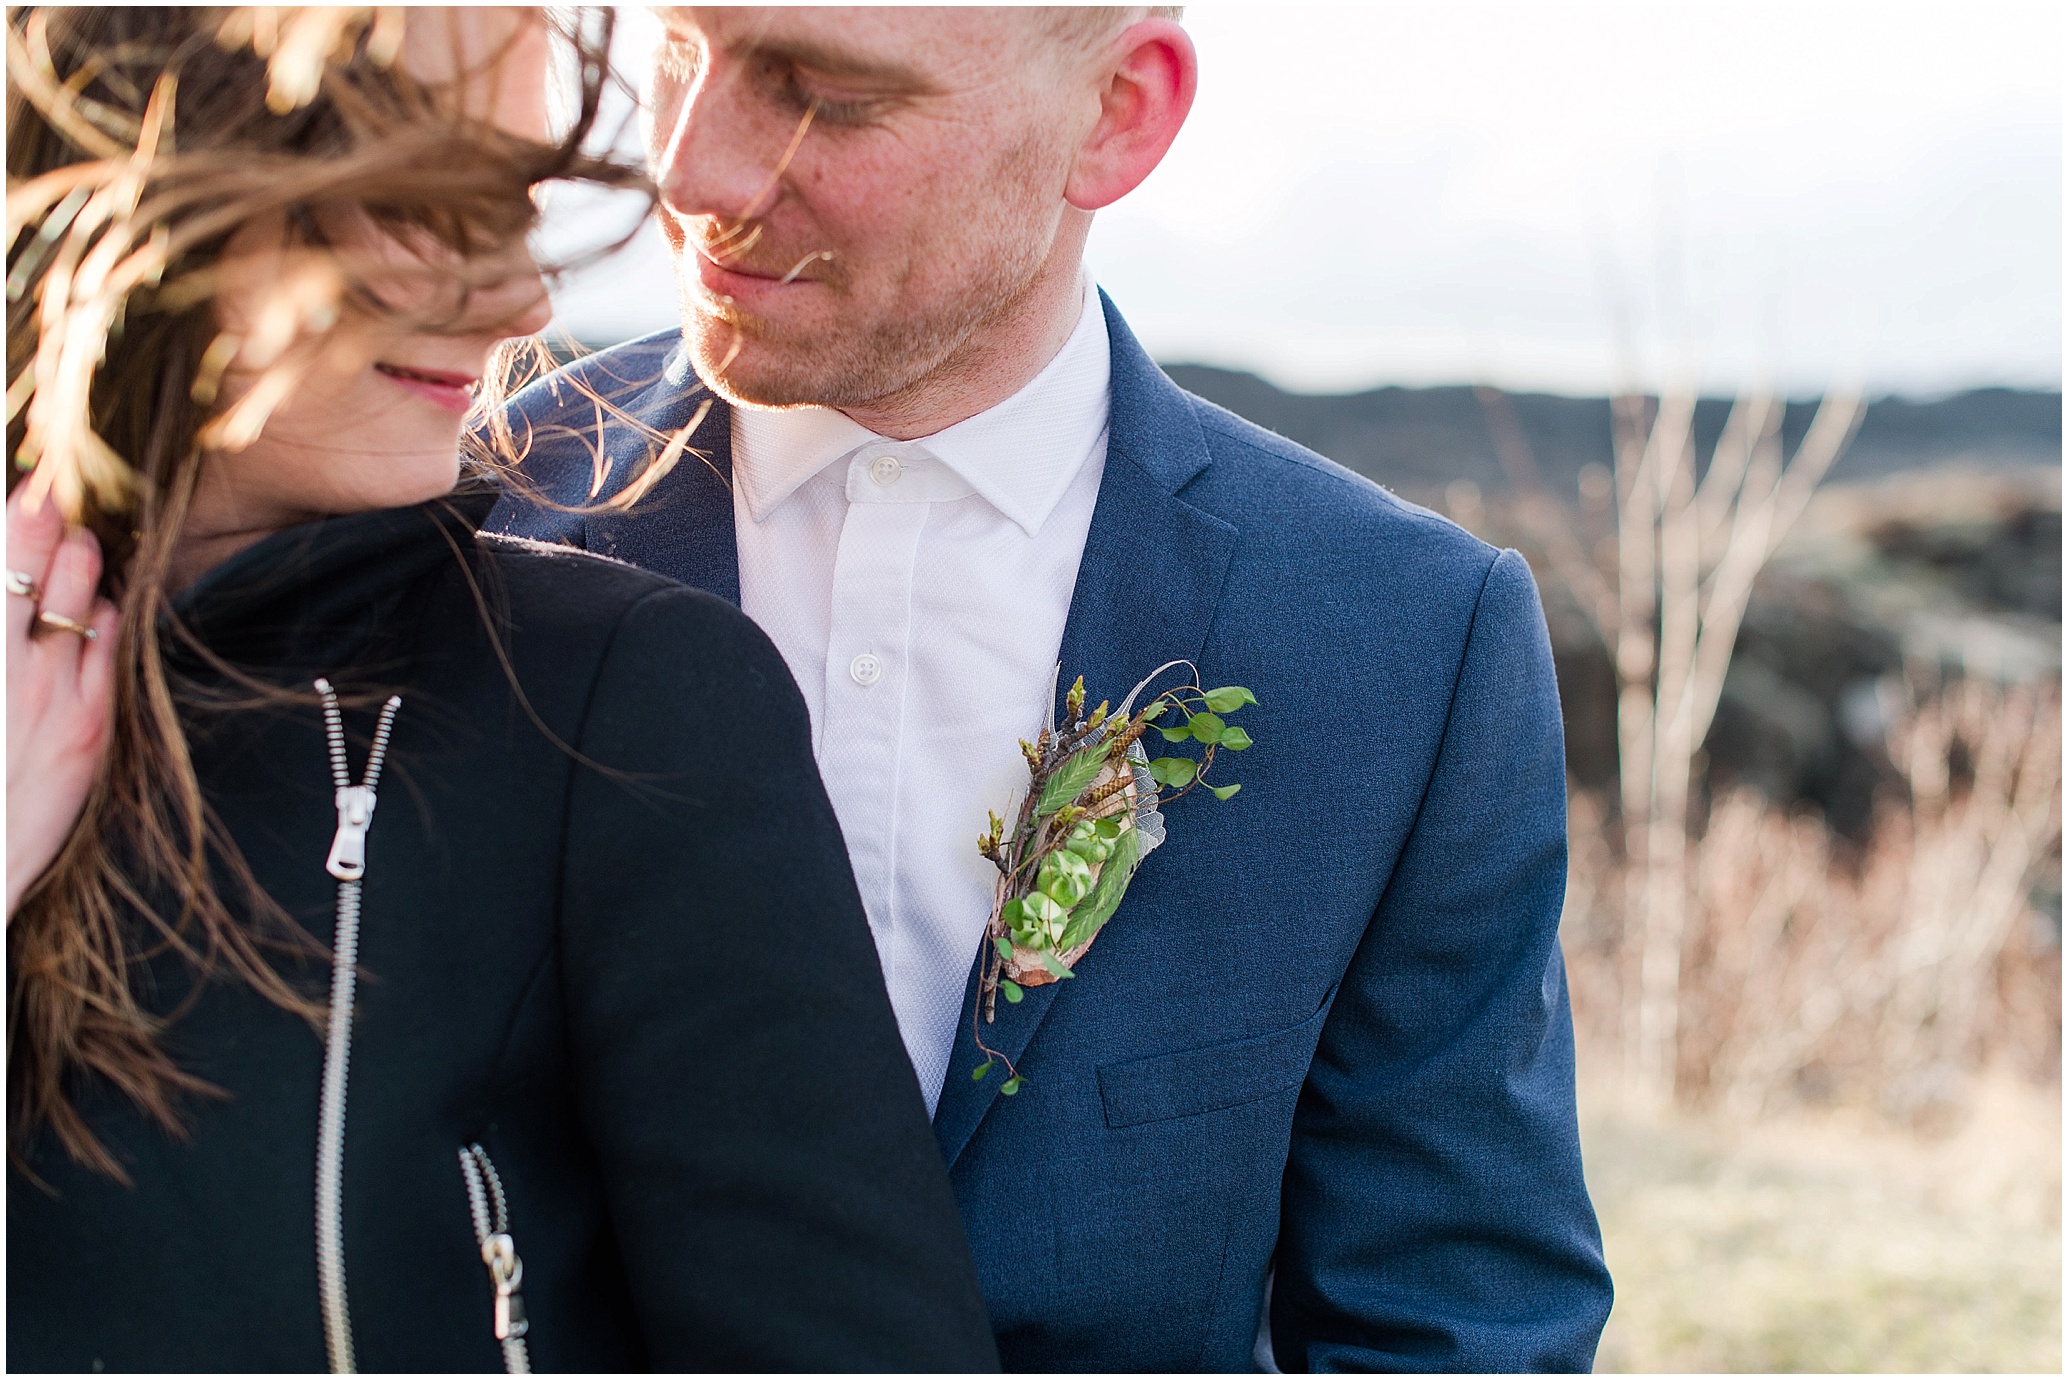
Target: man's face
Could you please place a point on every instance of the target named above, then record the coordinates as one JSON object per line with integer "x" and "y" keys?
{"x": 852, "y": 194}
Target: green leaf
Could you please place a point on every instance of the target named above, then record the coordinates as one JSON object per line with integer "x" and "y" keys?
{"x": 1054, "y": 964}
{"x": 1004, "y": 947}
{"x": 1078, "y": 771}
{"x": 1235, "y": 739}
{"x": 1154, "y": 711}
{"x": 1012, "y": 990}
{"x": 976, "y": 1075}
{"x": 1228, "y": 699}
{"x": 1090, "y": 917}
{"x": 1181, "y": 734}
{"x": 1207, "y": 727}
{"x": 1223, "y": 792}
{"x": 1173, "y": 771}
{"x": 1109, "y": 828}
{"x": 1011, "y": 1085}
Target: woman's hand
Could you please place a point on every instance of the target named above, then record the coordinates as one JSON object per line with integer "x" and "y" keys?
{"x": 58, "y": 686}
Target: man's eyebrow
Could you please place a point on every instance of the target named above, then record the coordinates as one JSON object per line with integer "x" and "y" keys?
{"x": 836, "y": 62}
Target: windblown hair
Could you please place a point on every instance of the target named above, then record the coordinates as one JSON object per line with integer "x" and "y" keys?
{"x": 139, "y": 142}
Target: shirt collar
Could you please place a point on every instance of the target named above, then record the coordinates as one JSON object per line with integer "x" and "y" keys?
{"x": 1020, "y": 456}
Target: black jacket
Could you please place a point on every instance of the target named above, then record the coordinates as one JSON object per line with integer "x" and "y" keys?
{"x": 644, "y": 986}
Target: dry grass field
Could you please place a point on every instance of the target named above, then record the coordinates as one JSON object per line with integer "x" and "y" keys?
{"x": 1831, "y": 1241}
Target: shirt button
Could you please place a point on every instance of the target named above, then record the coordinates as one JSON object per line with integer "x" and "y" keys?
{"x": 885, "y": 469}
{"x": 865, "y": 669}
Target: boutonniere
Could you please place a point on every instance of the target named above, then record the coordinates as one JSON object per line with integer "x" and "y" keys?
{"x": 1090, "y": 814}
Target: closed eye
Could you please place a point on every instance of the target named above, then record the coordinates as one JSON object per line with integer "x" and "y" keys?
{"x": 793, "y": 92}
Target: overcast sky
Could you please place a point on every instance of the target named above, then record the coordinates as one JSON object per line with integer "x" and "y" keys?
{"x": 1555, "y": 197}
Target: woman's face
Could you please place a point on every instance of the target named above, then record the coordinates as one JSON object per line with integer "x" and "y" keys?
{"x": 372, "y": 419}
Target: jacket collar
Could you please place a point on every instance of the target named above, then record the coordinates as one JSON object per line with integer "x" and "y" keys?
{"x": 684, "y": 528}
{"x": 1146, "y": 593}
{"x": 321, "y": 593}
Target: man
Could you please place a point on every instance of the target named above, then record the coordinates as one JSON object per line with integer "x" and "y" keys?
{"x": 1318, "y": 1069}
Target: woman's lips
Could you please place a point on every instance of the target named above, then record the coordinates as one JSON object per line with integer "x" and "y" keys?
{"x": 453, "y": 392}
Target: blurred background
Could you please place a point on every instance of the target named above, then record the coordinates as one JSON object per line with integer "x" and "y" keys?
{"x": 1743, "y": 324}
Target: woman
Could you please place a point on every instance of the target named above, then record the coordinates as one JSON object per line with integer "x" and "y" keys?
{"x": 603, "y": 1076}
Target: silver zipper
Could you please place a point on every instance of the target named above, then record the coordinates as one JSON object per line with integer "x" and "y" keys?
{"x": 491, "y": 1212}
{"x": 347, "y": 863}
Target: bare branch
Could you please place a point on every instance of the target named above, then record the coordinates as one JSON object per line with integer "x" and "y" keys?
{"x": 1547, "y": 519}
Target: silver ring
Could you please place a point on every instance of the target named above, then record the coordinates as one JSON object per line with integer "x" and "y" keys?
{"x": 47, "y": 619}
{"x": 19, "y": 583}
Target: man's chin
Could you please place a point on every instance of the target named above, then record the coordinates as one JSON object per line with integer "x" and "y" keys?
{"x": 736, "y": 373}
{"x": 757, "y": 362}
{"x": 751, "y": 371}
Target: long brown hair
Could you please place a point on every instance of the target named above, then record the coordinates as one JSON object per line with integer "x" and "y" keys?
{"x": 139, "y": 141}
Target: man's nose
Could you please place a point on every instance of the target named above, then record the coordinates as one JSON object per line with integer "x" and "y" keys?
{"x": 718, "y": 154}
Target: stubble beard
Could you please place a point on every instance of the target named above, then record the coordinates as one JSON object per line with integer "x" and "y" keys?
{"x": 860, "y": 354}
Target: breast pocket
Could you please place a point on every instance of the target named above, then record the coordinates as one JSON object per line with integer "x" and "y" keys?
{"x": 1164, "y": 1087}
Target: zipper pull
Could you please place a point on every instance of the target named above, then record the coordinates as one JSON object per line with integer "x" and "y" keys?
{"x": 348, "y": 849}
{"x": 508, "y": 1273}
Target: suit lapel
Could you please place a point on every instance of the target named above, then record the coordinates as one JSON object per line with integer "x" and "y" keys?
{"x": 1146, "y": 592}
{"x": 684, "y": 528}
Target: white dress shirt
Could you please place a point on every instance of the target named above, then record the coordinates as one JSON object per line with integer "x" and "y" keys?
{"x": 918, "y": 591}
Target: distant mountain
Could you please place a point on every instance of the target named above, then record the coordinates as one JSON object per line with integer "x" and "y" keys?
{"x": 1418, "y": 440}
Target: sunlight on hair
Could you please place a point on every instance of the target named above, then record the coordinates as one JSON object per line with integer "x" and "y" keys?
{"x": 818, "y": 256}
{"x": 300, "y": 41}
{"x": 96, "y": 264}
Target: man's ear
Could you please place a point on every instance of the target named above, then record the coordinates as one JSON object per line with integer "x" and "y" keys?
{"x": 1150, "y": 76}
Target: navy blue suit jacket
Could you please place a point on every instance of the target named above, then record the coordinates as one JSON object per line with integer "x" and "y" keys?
{"x": 1326, "y": 1038}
